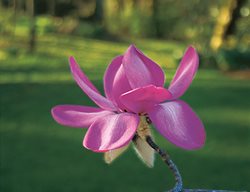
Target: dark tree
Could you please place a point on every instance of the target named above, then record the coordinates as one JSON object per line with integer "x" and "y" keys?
{"x": 226, "y": 22}
{"x": 51, "y": 7}
{"x": 231, "y": 27}
{"x": 98, "y": 14}
{"x": 32, "y": 36}
{"x": 156, "y": 20}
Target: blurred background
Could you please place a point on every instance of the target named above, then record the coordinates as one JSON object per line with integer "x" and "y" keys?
{"x": 38, "y": 36}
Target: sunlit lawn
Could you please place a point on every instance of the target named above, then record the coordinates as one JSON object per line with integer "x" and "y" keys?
{"x": 39, "y": 155}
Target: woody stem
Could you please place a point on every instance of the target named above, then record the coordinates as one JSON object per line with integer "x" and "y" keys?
{"x": 166, "y": 158}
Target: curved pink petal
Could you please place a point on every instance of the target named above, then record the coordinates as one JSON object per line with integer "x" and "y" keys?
{"x": 111, "y": 132}
{"x": 140, "y": 70}
{"x": 185, "y": 73}
{"x": 178, "y": 123}
{"x": 142, "y": 99}
{"x": 77, "y": 116}
{"x": 90, "y": 90}
{"x": 115, "y": 81}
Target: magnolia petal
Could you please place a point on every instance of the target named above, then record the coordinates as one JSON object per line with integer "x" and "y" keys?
{"x": 111, "y": 132}
{"x": 90, "y": 90}
{"x": 77, "y": 116}
{"x": 142, "y": 99}
{"x": 140, "y": 70}
{"x": 112, "y": 155}
{"x": 178, "y": 123}
{"x": 185, "y": 73}
{"x": 115, "y": 81}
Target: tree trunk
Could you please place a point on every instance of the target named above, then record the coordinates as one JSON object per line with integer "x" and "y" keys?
{"x": 231, "y": 28}
{"x": 226, "y": 22}
{"x": 14, "y": 16}
{"x": 156, "y": 20}
{"x": 32, "y": 36}
{"x": 51, "y": 7}
{"x": 98, "y": 14}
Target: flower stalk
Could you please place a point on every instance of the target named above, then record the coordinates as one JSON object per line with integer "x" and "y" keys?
{"x": 166, "y": 158}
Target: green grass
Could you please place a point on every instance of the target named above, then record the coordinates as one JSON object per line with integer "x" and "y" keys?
{"x": 39, "y": 155}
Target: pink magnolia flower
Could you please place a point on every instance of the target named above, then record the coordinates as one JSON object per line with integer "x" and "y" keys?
{"x": 134, "y": 86}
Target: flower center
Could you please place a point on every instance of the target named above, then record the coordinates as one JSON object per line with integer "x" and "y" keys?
{"x": 143, "y": 129}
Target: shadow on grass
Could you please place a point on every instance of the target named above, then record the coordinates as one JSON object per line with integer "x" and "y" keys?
{"x": 39, "y": 155}
{"x": 54, "y": 160}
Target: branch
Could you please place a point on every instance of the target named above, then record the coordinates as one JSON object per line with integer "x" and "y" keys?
{"x": 166, "y": 158}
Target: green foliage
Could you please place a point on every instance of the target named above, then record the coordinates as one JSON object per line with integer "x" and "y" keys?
{"x": 130, "y": 20}
{"x": 6, "y": 21}
{"x": 233, "y": 59}
{"x": 45, "y": 24}
{"x": 173, "y": 17}
{"x": 90, "y": 30}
